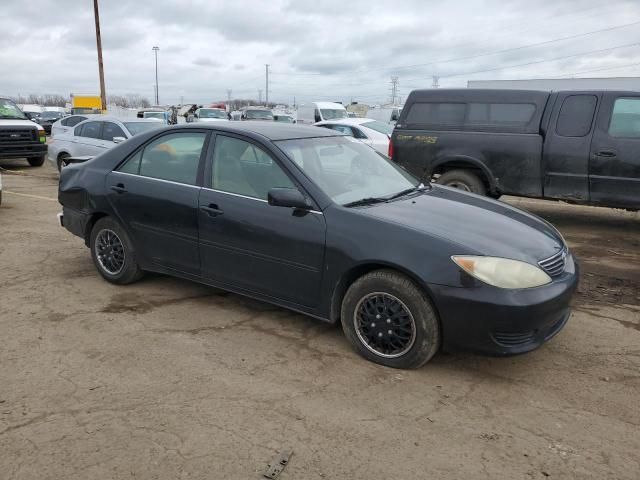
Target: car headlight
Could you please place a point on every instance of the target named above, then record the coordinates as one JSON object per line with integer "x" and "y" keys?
{"x": 502, "y": 272}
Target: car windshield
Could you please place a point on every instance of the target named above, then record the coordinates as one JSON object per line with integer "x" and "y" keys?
{"x": 258, "y": 115}
{"x": 139, "y": 127}
{"x": 212, "y": 113}
{"x": 51, "y": 115}
{"x": 346, "y": 169}
{"x": 8, "y": 109}
{"x": 333, "y": 113}
{"x": 379, "y": 127}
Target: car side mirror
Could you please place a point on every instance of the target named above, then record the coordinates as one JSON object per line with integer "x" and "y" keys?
{"x": 118, "y": 139}
{"x": 288, "y": 197}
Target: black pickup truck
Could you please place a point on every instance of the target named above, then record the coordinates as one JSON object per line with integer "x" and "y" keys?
{"x": 577, "y": 146}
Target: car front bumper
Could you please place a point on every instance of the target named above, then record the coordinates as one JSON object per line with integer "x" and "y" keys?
{"x": 23, "y": 150}
{"x": 496, "y": 321}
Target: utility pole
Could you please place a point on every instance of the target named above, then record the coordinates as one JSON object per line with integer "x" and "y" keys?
{"x": 181, "y": 100}
{"x": 103, "y": 95}
{"x": 436, "y": 81}
{"x": 266, "y": 70}
{"x": 259, "y": 95}
{"x": 155, "y": 50}
{"x": 229, "y": 92}
{"x": 394, "y": 90}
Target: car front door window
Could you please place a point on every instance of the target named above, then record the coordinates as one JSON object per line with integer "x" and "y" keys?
{"x": 111, "y": 130}
{"x": 241, "y": 168}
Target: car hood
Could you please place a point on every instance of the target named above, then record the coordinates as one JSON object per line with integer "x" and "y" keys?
{"x": 9, "y": 122}
{"x": 477, "y": 224}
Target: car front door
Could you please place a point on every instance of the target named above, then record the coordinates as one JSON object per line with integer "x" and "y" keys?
{"x": 110, "y": 131}
{"x": 614, "y": 168}
{"x": 88, "y": 139}
{"x": 249, "y": 244}
{"x": 155, "y": 195}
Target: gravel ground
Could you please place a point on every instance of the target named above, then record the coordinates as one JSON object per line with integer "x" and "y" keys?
{"x": 167, "y": 379}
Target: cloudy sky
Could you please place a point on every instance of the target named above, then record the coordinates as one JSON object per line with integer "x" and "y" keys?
{"x": 317, "y": 49}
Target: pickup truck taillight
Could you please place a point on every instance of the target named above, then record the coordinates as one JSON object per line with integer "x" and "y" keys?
{"x": 390, "y": 153}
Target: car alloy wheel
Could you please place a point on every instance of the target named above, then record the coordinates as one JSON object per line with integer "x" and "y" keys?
{"x": 459, "y": 186}
{"x": 384, "y": 325}
{"x": 109, "y": 251}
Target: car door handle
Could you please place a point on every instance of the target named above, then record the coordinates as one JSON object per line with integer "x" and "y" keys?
{"x": 212, "y": 210}
{"x": 119, "y": 188}
{"x": 606, "y": 153}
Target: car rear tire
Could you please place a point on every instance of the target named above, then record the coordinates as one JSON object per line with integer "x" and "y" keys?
{"x": 113, "y": 253}
{"x": 36, "y": 161}
{"x": 389, "y": 320}
{"x": 60, "y": 161}
{"x": 464, "y": 180}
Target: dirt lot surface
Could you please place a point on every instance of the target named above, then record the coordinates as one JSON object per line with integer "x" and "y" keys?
{"x": 166, "y": 379}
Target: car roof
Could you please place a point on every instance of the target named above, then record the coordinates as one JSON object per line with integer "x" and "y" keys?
{"x": 113, "y": 118}
{"x": 349, "y": 121}
{"x": 269, "y": 130}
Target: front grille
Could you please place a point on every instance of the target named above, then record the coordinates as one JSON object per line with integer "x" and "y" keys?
{"x": 13, "y": 135}
{"x": 554, "y": 265}
{"x": 514, "y": 339}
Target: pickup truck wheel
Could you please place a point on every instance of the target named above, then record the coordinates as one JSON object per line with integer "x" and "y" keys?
{"x": 60, "y": 161}
{"x": 36, "y": 161}
{"x": 112, "y": 252}
{"x": 464, "y": 180}
{"x": 390, "y": 321}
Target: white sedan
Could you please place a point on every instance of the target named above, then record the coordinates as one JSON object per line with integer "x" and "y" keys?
{"x": 95, "y": 135}
{"x": 371, "y": 132}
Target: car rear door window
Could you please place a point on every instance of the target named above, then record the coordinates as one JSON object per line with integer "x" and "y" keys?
{"x": 436, "y": 114}
{"x": 111, "y": 130}
{"x": 90, "y": 130}
{"x": 625, "y": 119}
{"x": 500, "y": 114}
{"x": 242, "y": 168}
{"x": 576, "y": 115}
{"x": 174, "y": 157}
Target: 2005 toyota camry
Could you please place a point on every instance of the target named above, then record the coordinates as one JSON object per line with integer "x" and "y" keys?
{"x": 319, "y": 223}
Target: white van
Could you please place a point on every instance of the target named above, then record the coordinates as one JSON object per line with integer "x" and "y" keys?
{"x": 320, "y": 111}
{"x": 385, "y": 114}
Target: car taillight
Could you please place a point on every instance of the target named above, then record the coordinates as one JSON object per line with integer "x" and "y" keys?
{"x": 390, "y": 154}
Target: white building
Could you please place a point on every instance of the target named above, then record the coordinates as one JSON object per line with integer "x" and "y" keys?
{"x": 556, "y": 84}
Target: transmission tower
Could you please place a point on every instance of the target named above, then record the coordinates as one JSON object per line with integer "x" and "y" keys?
{"x": 394, "y": 90}
{"x": 436, "y": 81}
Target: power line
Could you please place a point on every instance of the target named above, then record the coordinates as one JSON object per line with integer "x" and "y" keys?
{"x": 597, "y": 70}
{"x": 534, "y": 62}
{"x": 486, "y": 54}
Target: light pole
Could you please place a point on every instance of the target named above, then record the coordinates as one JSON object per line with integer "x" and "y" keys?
{"x": 155, "y": 50}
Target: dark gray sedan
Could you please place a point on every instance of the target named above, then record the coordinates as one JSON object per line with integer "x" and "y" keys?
{"x": 317, "y": 222}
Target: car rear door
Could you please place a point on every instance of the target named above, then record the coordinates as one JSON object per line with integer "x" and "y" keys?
{"x": 614, "y": 165}
{"x": 249, "y": 244}
{"x": 155, "y": 195}
{"x": 567, "y": 145}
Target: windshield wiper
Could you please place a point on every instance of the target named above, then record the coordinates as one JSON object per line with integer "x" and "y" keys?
{"x": 365, "y": 201}
{"x": 417, "y": 188}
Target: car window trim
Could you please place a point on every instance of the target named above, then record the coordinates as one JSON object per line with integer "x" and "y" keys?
{"x": 317, "y": 212}
{"x": 155, "y": 178}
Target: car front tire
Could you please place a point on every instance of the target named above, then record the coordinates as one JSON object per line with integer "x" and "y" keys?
{"x": 389, "y": 320}
{"x": 37, "y": 161}
{"x": 113, "y": 253}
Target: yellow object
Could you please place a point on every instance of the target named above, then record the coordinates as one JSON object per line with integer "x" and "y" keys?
{"x": 86, "y": 104}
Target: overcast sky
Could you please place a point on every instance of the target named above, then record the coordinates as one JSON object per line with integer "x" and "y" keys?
{"x": 317, "y": 49}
